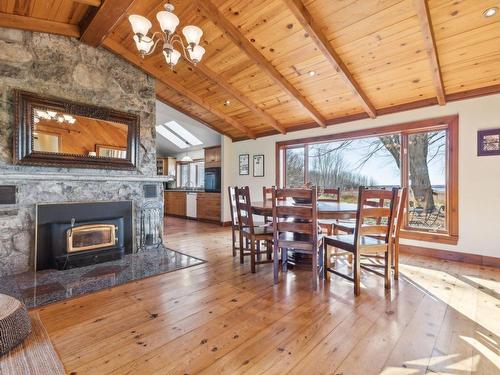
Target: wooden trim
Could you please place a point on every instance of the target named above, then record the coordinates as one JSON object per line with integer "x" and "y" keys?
{"x": 244, "y": 44}
{"x": 133, "y": 58}
{"x": 15, "y": 21}
{"x": 306, "y": 20}
{"x": 101, "y": 21}
{"x": 243, "y": 99}
{"x": 420, "y": 125}
{"x": 424, "y": 17}
{"x": 443, "y": 238}
{"x": 482, "y": 260}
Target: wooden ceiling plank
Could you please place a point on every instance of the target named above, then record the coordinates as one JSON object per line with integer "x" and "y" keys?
{"x": 304, "y": 17}
{"x": 241, "y": 97}
{"x": 93, "y": 3}
{"x": 160, "y": 75}
{"x": 244, "y": 44}
{"x": 14, "y": 21}
{"x": 424, "y": 17}
{"x": 103, "y": 20}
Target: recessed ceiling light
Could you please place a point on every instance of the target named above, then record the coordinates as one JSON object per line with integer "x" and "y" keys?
{"x": 490, "y": 12}
{"x": 227, "y": 102}
{"x": 312, "y": 73}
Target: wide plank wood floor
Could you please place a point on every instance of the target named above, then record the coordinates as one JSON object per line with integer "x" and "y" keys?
{"x": 219, "y": 318}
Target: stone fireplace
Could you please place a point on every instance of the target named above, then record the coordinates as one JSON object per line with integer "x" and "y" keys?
{"x": 65, "y": 68}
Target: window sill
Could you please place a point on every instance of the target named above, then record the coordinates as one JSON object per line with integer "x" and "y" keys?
{"x": 430, "y": 237}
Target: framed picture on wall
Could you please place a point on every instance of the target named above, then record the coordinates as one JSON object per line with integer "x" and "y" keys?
{"x": 244, "y": 164}
{"x": 258, "y": 165}
{"x": 488, "y": 142}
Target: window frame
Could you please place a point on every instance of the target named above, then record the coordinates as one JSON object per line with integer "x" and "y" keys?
{"x": 448, "y": 123}
{"x": 179, "y": 170}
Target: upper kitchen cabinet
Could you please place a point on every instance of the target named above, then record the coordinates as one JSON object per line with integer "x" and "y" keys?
{"x": 212, "y": 157}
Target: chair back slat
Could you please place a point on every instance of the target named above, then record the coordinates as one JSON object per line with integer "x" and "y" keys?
{"x": 330, "y": 195}
{"x": 244, "y": 208}
{"x": 375, "y": 221}
{"x": 293, "y": 193}
{"x": 297, "y": 212}
{"x": 297, "y": 227}
{"x": 232, "y": 205}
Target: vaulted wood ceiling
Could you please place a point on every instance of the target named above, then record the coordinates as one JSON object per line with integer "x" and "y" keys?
{"x": 371, "y": 57}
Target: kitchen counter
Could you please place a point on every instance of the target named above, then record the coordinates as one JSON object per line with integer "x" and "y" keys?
{"x": 187, "y": 190}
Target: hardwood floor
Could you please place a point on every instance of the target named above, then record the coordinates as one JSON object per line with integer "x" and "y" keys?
{"x": 218, "y": 318}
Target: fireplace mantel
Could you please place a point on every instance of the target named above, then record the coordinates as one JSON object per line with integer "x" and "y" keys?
{"x": 82, "y": 177}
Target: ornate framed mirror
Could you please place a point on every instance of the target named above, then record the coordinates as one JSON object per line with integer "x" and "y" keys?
{"x": 59, "y": 133}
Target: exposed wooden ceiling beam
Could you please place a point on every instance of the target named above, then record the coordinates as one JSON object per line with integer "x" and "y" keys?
{"x": 101, "y": 21}
{"x": 241, "y": 97}
{"x": 304, "y": 17}
{"x": 424, "y": 17}
{"x": 168, "y": 102}
{"x": 15, "y": 21}
{"x": 94, "y": 3}
{"x": 159, "y": 74}
{"x": 253, "y": 53}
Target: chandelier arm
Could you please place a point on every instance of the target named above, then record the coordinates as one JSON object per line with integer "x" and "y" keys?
{"x": 159, "y": 38}
{"x": 184, "y": 49}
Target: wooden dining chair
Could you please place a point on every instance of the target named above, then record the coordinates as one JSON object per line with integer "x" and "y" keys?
{"x": 250, "y": 233}
{"x": 301, "y": 234}
{"x": 372, "y": 234}
{"x": 235, "y": 226}
{"x": 267, "y": 194}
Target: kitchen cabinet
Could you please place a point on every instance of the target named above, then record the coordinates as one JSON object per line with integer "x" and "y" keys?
{"x": 166, "y": 166}
{"x": 212, "y": 157}
{"x": 208, "y": 206}
{"x": 175, "y": 203}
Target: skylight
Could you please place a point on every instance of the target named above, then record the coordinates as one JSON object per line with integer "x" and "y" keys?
{"x": 167, "y": 134}
{"x": 183, "y": 133}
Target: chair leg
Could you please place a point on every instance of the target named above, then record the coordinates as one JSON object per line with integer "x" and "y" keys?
{"x": 258, "y": 251}
{"x": 276, "y": 263}
{"x": 396, "y": 261}
{"x": 234, "y": 241}
{"x": 314, "y": 270}
{"x": 388, "y": 269}
{"x": 327, "y": 262}
{"x": 284, "y": 259}
{"x": 321, "y": 260}
{"x": 252, "y": 255}
{"x": 242, "y": 259}
{"x": 269, "y": 248}
{"x": 357, "y": 274}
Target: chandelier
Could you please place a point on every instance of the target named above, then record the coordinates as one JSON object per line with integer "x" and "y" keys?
{"x": 168, "y": 21}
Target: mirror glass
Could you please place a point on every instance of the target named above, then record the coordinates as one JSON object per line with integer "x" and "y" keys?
{"x": 63, "y": 133}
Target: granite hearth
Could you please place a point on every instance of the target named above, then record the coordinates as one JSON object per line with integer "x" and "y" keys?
{"x": 36, "y": 289}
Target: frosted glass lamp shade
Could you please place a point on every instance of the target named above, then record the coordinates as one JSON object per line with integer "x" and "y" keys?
{"x": 172, "y": 57}
{"x": 168, "y": 21}
{"x": 143, "y": 44}
{"x": 192, "y": 34}
{"x": 140, "y": 24}
{"x": 197, "y": 53}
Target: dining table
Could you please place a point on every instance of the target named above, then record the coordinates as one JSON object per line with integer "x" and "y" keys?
{"x": 326, "y": 209}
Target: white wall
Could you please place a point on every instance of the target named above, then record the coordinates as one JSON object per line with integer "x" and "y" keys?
{"x": 479, "y": 177}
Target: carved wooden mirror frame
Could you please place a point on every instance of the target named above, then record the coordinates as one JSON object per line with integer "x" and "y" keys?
{"x": 23, "y": 133}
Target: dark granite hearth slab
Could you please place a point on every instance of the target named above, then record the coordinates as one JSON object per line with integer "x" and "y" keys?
{"x": 40, "y": 288}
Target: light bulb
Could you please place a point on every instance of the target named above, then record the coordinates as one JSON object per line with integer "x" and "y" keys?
{"x": 196, "y": 53}
{"x": 172, "y": 57}
{"x": 144, "y": 44}
{"x": 140, "y": 24}
{"x": 193, "y": 34}
{"x": 168, "y": 21}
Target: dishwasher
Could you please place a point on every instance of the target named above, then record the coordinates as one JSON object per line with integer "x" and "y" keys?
{"x": 191, "y": 205}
